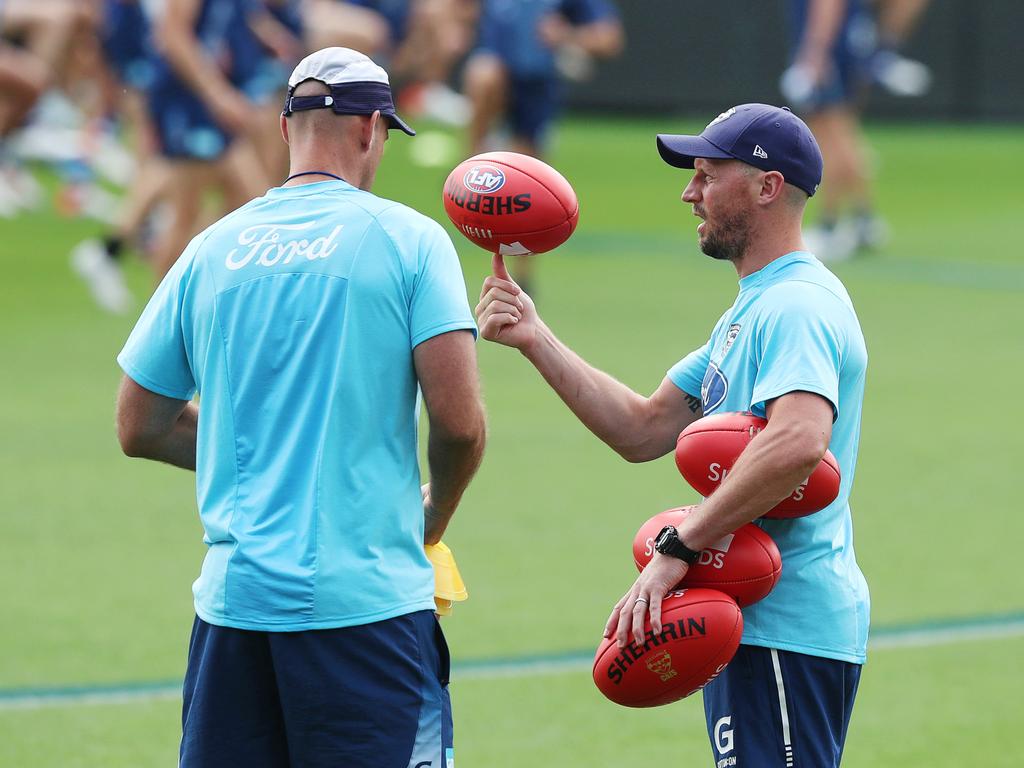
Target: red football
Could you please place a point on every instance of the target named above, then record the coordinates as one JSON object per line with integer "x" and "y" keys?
{"x": 510, "y": 203}
{"x": 707, "y": 449}
{"x": 701, "y": 629}
{"x": 745, "y": 565}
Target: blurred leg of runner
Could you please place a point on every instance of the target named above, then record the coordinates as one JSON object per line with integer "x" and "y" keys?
{"x": 486, "y": 85}
{"x": 23, "y": 79}
{"x": 437, "y": 33}
{"x": 47, "y": 28}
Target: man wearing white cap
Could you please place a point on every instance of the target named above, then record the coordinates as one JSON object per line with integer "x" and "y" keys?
{"x": 310, "y": 320}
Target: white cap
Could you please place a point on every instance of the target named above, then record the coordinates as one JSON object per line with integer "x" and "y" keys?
{"x": 358, "y": 86}
{"x": 335, "y": 66}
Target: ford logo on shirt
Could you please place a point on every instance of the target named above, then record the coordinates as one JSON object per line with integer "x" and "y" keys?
{"x": 484, "y": 179}
{"x": 713, "y": 389}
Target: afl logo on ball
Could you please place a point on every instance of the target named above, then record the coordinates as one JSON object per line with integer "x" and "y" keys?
{"x": 484, "y": 179}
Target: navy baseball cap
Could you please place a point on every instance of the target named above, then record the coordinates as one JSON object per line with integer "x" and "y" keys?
{"x": 358, "y": 86}
{"x": 766, "y": 137}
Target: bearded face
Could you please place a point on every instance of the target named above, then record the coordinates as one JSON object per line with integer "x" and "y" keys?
{"x": 720, "y": 194}
{"x": 725, "y": 236}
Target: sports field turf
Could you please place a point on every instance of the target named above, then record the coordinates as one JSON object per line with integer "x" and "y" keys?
{"x": 98, "y": 551}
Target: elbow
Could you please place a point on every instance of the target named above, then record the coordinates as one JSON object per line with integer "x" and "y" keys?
{"x": 806, "y": 451}
{"x": 132, "y": 445}
{"x": 637, "y": 453}
{"x": 469, "y": 434}
{"x": 632, "y": 454}
{"x": 134, "y": 442}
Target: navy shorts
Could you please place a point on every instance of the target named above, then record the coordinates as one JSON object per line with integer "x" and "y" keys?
{"x": 370, "y": 696}
{"x": 126, "y": 42}
{"x": 185, "y": 128}
{"x": 779, "y": 709}
{"x": 848, "y": 73}
{"x": 533, "y": 104}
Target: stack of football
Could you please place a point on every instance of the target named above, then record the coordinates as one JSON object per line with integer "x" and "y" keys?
{"x": 701, "y": 620}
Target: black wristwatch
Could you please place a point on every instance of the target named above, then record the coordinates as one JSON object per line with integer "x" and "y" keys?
{"x": 668, "y": 543}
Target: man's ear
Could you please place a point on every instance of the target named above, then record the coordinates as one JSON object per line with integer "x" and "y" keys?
{"x": 369, "y": 129}
{"x": 284, "y": 128}
{"x": 773, "y": 185}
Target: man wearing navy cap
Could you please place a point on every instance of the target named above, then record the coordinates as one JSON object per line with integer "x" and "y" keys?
{"x": 312, "y": 320}
{"x": 789, "y": 349}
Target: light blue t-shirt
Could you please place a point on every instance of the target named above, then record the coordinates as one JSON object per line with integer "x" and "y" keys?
{"x": 295, "y": 318}
{"x": 793, "y": 328}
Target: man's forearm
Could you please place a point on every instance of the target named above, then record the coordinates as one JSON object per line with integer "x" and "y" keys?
{"x": 452, "y": 462}
{"x": 176, "y": 447}
{"x": 600, "y": 38}
{"x": 606, "y": 406}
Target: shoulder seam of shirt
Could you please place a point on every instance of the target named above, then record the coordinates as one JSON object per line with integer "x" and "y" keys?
{"x": 392, "y": 204}
{"x": 804, "y": 280}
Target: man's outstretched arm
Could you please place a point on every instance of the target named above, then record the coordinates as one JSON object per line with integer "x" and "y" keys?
{"x": 638, "y": 428}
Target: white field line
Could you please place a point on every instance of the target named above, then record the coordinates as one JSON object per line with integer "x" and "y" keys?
{"x": 911, "y": 637}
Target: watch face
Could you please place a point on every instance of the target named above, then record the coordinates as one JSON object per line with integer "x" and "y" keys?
{"x": 664, "y": 537}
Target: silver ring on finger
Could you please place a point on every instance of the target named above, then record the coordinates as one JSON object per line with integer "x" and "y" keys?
{"x": 640, "y": 600}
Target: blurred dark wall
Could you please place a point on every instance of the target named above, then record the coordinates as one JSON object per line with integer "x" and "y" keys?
{"x": 684, "y": 57}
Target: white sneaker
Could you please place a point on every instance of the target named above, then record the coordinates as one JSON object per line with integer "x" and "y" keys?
{"x": 574, "y": 63}
{"x": 103, "y": 276}
{"x": 899, "y": 75}
{"x": 19, "y": 190}
{"x": 9, "y": 203}
{"x": 444, "y": 105}
{"x": 833, "y": 244}
{"x": 871, "y": 231}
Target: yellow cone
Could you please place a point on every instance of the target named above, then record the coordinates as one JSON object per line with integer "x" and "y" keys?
{"x": 442, "y": 607}
{"x": 448, "y": 585}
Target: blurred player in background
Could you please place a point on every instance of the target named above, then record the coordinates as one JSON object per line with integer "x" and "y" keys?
{"x": 46, "y": 28}
{"x": 266, "y": 48}
{"x": 309, "y": 321}
{"x": 127, "y": 45}
{"x": 514, "y": 78}
{"x": 23, "y": 79}
{"x": 837, "y": 55}
{"x": 789, "y": 349}
{"x": 899, "y": 75}
{"x": 421, "y": 40}
{"x": 43, "y": 30}
{"x": 524, "y": 49}
{"x": 203, "y": 119}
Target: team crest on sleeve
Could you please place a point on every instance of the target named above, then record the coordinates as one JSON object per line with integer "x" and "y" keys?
{"x": 730, "y": 336}
{"x": 713, "y": 389}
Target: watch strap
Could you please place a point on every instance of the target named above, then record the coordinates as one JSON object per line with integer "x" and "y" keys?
{"x": 669, "y": 543}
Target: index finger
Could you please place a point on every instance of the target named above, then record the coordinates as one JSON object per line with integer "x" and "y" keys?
{"x": 613, "y": 619}
{"x": 498, "y": 267}
{"x": 508, "y": 286}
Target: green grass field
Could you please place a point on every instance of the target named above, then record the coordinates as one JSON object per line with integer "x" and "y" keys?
{"x": 98, "y": 551}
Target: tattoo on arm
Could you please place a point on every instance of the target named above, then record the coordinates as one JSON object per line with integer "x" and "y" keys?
{"x": 693, "y": 403}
